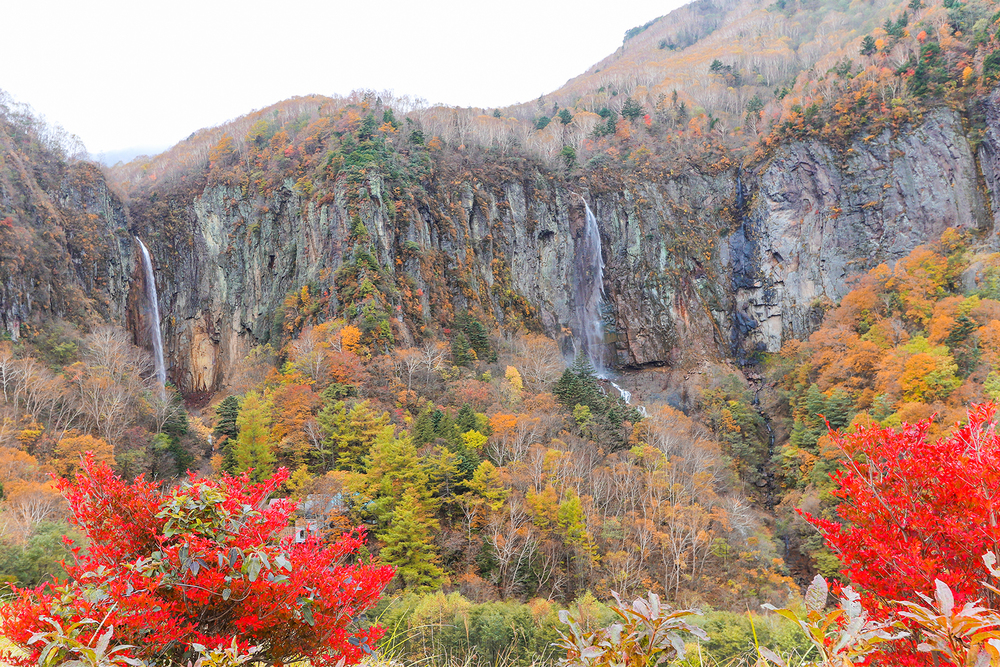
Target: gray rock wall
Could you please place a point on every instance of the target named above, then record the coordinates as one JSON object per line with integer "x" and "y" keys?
{"x": 811, "y": 219}
{"x": 685, "y": 278}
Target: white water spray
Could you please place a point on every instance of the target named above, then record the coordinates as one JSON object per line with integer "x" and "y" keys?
{"x": 624, "y": 393}
{"x": 154, "y": 323}
{"x": 627, "y": 397}
{"x": 589, "y": 329}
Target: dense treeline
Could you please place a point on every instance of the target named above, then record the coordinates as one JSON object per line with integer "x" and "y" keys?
{"x": 62, "y": 394}
{"x": 494, "y": 479}
{"x": 912, "y": 342}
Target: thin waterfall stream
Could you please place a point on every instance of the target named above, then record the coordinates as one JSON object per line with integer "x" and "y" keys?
{"x": 154, "y": 321}
{"x": 589, "y": 291}
{"x": 588, "y": 294}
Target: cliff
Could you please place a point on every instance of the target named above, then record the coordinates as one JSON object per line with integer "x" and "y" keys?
{"x": 700, "y": 265}
{"x": 816, "y": 217}
{"x": 65, "y": 250}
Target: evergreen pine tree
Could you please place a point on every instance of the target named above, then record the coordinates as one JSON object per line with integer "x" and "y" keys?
{"x": 682, "y": 114}
{"x": 226, "y": 430}
{"x": 229, "y": 456}
{"x": 815, "y": 401}
{"x": 839, "y": 409}
{"x": 444, "y": 476}
{"x": 408, "y": 546}
{"x": 423, "y": 428}
{"x": 444, "y": 428}
{"x": 461, "y": 351}
{"x": 631, "y": 109}
{"x": 227, "y": 412}
{"x": 479, "y": 339}
{"x": 578, "y": 386}
{"x": 868, "y": 45}
{"x": 465, "y": 420}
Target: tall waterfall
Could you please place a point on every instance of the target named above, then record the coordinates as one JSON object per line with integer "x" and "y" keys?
{"x": 154, "y": 321}
{"x": 588, "y": 332}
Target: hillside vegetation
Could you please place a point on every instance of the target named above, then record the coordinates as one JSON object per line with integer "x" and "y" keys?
{"x": 404, "y": 391}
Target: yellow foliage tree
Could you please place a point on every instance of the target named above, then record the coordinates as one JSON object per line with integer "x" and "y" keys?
{"x": 350, "y": 337}
{"x": 70, "y": 451}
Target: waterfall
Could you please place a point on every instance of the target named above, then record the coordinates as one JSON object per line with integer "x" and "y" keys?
{"x": 627, "y": 397}
{"x": 624, "y": 393}
{"x": 588, "y": 332}
{"x": 154, "y": 323}
{"x": 588, "y": 329}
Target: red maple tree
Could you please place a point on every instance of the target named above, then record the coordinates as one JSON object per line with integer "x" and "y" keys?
{"x": 914, "y": 511}
{"x": 193, "y": 568}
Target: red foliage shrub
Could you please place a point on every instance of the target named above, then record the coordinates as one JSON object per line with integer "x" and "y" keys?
{"x": 201, "y": 564}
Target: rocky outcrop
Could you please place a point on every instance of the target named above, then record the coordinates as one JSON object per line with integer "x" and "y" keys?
{"x": 817, "y": 217}
{"x": 65, "y": 250}
{"x": 698, "y": 266}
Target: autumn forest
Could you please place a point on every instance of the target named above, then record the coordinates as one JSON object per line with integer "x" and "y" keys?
{"x": 691, "y": 361}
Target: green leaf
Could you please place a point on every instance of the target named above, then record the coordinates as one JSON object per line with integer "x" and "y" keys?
{"x": 253, "y": 569}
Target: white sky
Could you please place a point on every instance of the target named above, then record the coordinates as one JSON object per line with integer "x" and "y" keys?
{"x": 146, "y": 74}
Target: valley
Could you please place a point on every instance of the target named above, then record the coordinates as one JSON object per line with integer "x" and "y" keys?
{"x": 628, "y": 337}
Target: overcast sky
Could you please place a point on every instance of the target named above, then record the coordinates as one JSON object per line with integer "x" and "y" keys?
{"x": 146, "y": 74}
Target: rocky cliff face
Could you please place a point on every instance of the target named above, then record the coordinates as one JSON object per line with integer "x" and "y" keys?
{"x": 65, "y": 250}
{"x": 681, "y": 283}
{"x": 815, "y": 217}
{"x": 698, "y": 266}
{"x": 500, "y": 248}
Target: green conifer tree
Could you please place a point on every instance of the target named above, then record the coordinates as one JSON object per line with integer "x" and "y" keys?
{"x": 408, "y": 545}
{"x": 839, "y": 409}
{"x": 444, "y": 429}
{"x": 423, "y": 428}
{"x": 461, "y": 351}
{"x": 393, "y": 467}
{"x": 631, "y": 109}
{"x": 226, "y": 431}
{"x": 479, "y": 339}
{"x": 348, "y": 435}
{"x": 466, "y": 420}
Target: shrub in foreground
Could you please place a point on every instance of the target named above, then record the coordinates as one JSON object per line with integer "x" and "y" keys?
{"x": 171, "y": 574}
